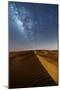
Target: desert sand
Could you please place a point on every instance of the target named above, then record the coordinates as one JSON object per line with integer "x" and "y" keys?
{"x": 33, "y": 68}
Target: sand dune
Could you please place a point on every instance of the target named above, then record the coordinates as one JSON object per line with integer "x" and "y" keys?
{"x": 28, "y": 69}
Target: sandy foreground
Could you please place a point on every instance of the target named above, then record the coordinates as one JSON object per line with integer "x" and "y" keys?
{"x": 51, "y": 68}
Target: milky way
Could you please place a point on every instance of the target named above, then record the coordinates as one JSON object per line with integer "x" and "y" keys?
{"x": 23, "y": 21}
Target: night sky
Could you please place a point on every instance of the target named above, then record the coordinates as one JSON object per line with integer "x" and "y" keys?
{"x": 32, "y": 26}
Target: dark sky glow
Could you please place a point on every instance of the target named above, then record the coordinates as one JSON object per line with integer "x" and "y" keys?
{"x": 32, "y": 26}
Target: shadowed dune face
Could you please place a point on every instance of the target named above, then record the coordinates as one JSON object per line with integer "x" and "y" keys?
{"x": 25, "y": 70}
